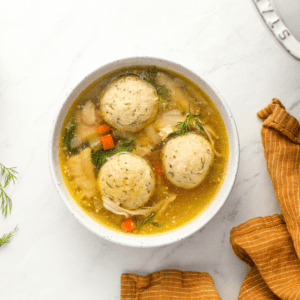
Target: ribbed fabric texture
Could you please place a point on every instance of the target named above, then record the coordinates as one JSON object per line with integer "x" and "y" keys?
{"x": 271, "y": 245}
{"x": 167, "y": 285}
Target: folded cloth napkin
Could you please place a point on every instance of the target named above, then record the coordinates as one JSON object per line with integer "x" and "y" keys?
{"x": 168, "y": 284}
{"x": 271, "y": 245}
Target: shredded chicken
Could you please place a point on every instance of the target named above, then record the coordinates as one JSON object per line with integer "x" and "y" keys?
{"x": 82, "y": 172}
{"x": 212, "y": 142}
{"x": 166, "y": 202}
{"x": 88, "y": 114}
{"x": 113, "y": 207}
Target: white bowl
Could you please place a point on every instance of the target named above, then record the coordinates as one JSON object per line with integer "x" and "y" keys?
{"x": 151, "y": 240}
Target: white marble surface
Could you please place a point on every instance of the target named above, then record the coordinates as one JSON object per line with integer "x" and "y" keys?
{"x": 46, "y": 47}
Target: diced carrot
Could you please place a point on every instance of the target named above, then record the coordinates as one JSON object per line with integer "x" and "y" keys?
{"x": 158, "y": 168}
{"x": 128, "y": 225}
{"x": 107, "y": 142}
{"x": 102, "y": 129}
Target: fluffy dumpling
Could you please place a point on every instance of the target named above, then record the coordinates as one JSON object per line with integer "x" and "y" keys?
{"x": 127, "y": 180}
{"x": 187, "y": 159}
{"x": 129, "y": 103}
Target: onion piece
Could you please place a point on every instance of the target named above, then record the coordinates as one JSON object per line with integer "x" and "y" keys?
{"x": 155, "y": 138}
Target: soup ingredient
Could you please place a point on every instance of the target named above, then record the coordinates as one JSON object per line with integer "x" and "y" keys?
{"x": 148, "y": 220}
{"x": 170, "y": 198}
{"x": 88, "y": 114}
{"x": 10, "y": 175}
{"x": 95, "y": 144}
{"x": 69, "y": 135}
{"x": 116, "y": 209}
{"x": 176, "y": 94}
{"x": 87, "y": 122}
{"x": 187, "y": 159}
{"x": 7, "y": 237}
{"x": 155, "y": 137}
{"x": 127, "y": 180}
{"x": 129, "y": 103}
{"x": 162, "y": 91}
{"x": 101, "y": 156}
{"x": 128, "y": 225}
{"x": 81, "y": 170}
{"x": 107, "y": 142}
{"x": 189, "y": 123}
{"x": 104, "y": 128}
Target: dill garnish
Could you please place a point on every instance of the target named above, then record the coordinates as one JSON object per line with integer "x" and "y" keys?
{"x": 162, "y": 91}
{"x": 100, "y": 157}
{"x": 69, "y": 135}
{"x": 6, "y": 203}
{"x": 127, "y": 145}
{"x": 189, "y": 123}
{"x": 7, "y": 237}
{"x": 147, "y": 220}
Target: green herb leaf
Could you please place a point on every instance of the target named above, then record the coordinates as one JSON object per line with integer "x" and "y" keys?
{"x": 101, "y": 156}
{"x": 147, "y": 220}
{"x": 69, "y": 135}
{"x": 128, "y": 145}
{"x": 162, "y": 91}
{"x": 7, "y": 237}
{"x": 152, "y": 73}
{"x": 189, "y": 123}
{"x": 6, "y": 203}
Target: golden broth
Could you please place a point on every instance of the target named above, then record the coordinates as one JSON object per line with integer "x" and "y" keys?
{"x": 189, "y": 203}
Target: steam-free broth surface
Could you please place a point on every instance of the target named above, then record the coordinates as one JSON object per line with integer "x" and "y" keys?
{"x": 177, "y": 98}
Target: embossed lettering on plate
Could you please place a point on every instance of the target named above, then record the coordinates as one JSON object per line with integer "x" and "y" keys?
{"x": 277, "y": 27}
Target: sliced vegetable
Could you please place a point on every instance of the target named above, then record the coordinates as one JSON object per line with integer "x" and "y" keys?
{"x": 95, "y": 144}
{"x": 128, "y": 225}
{"x": 103, "y": 129}
{"x": 107, "y": 142}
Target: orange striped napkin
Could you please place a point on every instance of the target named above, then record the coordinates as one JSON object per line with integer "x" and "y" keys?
{"x": 168, "y": 284}
{"x": 271, "y": 245}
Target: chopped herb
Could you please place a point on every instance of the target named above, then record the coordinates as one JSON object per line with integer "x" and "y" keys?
{"x": 69, "y": 135}
{"x": 128, "y": 145}
{"x": 162, "y": 91}
{"x": 6, "y": 203}
{"x": 7, "y": 237}
{"x": 152, "y": 73}
{"x": 100, "y": 157}
{"x": 147, "y": 220}
{"x": 189, "y": 122}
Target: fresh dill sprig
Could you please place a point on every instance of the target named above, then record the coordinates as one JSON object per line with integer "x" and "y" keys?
{"x": 152, "y": 73}
{"x": 189, "y": 122}
{"x": 100, "y": 157}
{"x": 69, "y": 135}
{"x": 10, "y": 175}
{"x": 162, "y": 91}
{"x": 127, "y": 145}
{"x": 7, "y": 237}
{"x": 147, "y": 220}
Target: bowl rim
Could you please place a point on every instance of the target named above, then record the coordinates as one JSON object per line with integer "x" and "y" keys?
{"x": 168, "y": 237}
